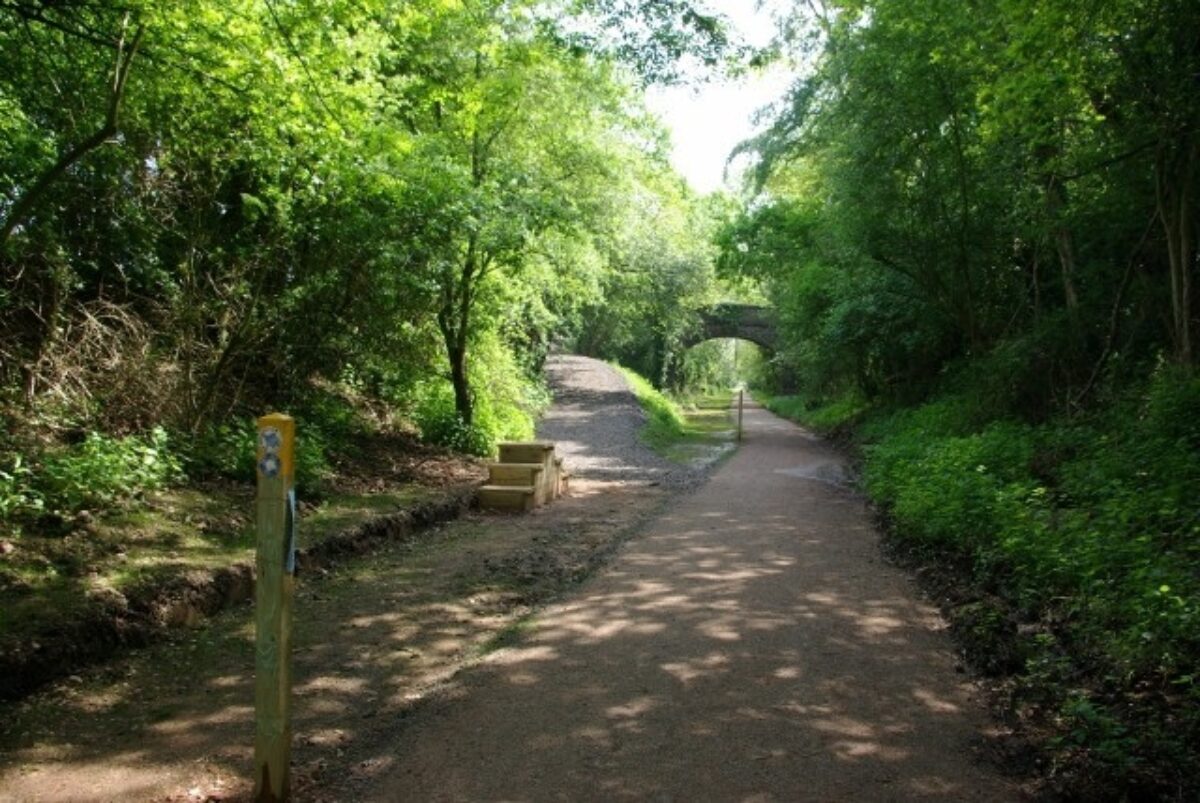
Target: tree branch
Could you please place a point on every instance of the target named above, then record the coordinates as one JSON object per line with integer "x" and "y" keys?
{"x": 90, "y": 35}
{"x": 25, "y": 204}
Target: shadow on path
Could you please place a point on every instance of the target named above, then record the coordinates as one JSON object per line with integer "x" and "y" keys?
{"x": 750, "y": 647}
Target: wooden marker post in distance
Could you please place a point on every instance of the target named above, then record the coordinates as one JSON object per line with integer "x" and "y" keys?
{"x": 275, "y": 564}
{"x": 741, "y": 402}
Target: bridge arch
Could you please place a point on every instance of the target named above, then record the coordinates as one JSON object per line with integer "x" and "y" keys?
{"x": 742, "y": 321}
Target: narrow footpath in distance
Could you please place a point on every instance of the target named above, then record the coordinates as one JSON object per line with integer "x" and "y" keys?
{"x": 749, "y": 645}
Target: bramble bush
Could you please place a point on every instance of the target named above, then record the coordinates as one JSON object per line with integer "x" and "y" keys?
{"x": 229, "y": 451}
{"x": 225, "y": 450}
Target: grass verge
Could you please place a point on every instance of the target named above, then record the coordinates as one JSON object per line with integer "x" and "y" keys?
{"x": 120, "y": 576}
{"x": 827, "y": 418}
{"x": 665, "y": 423}
{"x": 695, "y": 428}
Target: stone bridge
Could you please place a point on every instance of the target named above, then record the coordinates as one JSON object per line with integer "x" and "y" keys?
{"x": 744, "y": 321}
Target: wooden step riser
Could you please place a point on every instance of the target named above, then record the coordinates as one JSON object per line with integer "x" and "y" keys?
{"x": 515, "y": 474}
{"x": 507, "y": 498}
{"x": 514, "y": 483}
{"x": 525, "y": 453}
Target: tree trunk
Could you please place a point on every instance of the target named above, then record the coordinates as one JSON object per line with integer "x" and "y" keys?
{"x": 1174, "y": 182}
{"x": 1064, "y": 243}
{"x": 454, "y": 335}
{"x": 1036, "y": 282}
{"x": 462, "y": 387}
{"x": 454, "y": 320}
{"x": 54, "y": 289}
{"x": 965, "y": 293}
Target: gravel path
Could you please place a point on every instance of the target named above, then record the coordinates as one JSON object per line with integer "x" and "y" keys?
{"x": 745, "y": 643}
{"x": 750, "y": 645}
{"x": 595, "y": 421}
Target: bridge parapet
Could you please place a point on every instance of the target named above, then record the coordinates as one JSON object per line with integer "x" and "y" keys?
{"x": 744, "y": 321}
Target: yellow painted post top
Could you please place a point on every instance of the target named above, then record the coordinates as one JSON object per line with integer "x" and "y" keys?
{"x": 276, "y": 454}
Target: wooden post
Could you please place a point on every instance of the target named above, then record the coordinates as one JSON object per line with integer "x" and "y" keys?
{"x": 741, "y": 402}
{"x": 275, "y": 566}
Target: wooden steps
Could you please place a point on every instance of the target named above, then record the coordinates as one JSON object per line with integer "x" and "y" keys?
{"x": 526, "y": 452}
{"x": 526, "y": 476}
{"x": 515, "y": 473}
{"x": 508, "y": 498}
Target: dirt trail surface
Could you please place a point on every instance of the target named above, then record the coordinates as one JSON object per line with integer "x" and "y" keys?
{"x": 743, "y": 643}
{"x": 595, "y": 421}
{"x": 749, "y": 646}
{"x": 372, "y": 637}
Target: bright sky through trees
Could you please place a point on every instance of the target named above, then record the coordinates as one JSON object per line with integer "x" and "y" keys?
{"x": 707, "y": 121}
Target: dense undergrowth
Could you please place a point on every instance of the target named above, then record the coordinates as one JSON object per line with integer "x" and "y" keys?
{"x": 89, "y": 518}
{"x": 1075, "y": 546}
{"x": 45, "y": 482}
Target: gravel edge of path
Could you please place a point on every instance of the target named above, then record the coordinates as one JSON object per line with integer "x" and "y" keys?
{"x": 596, "y": 422}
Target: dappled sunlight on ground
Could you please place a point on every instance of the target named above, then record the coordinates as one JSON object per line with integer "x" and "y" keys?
{"x": 370, "y": 642}
{"x": 751, "y": 647}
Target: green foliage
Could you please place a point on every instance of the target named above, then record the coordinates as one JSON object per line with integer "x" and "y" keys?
{"x": 951, "y": 490}
{"x": 312, "y": 461}
{"x": 980, "y": 222}
{"x": 1093, "y": 728}
{"x": 828, "y": 418}
{"x": 229, "y": 451}
{"x": 332, "y": 414}
{"x": 19, "y": 495}
{"x": 1093, "y": 523}
{"x": 104, "y": 471}
{"x": 506, "y": 407}
{"x": 226, "y": 450}
{"x": 1097, "y": 512}
{"x": 791, "y": 407}
{"x": 656, "y": 37}
{"x": 837, "y": 414}
{"x": 661, "y": 254}
{"x": 441, "y": 424}
{"x": 720, "y": 365}
{"x": 298, "y": 196}
{"x": 512, "y": 397}
{"x": 929, "y": 191}
{"x": 664, "y": 420}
